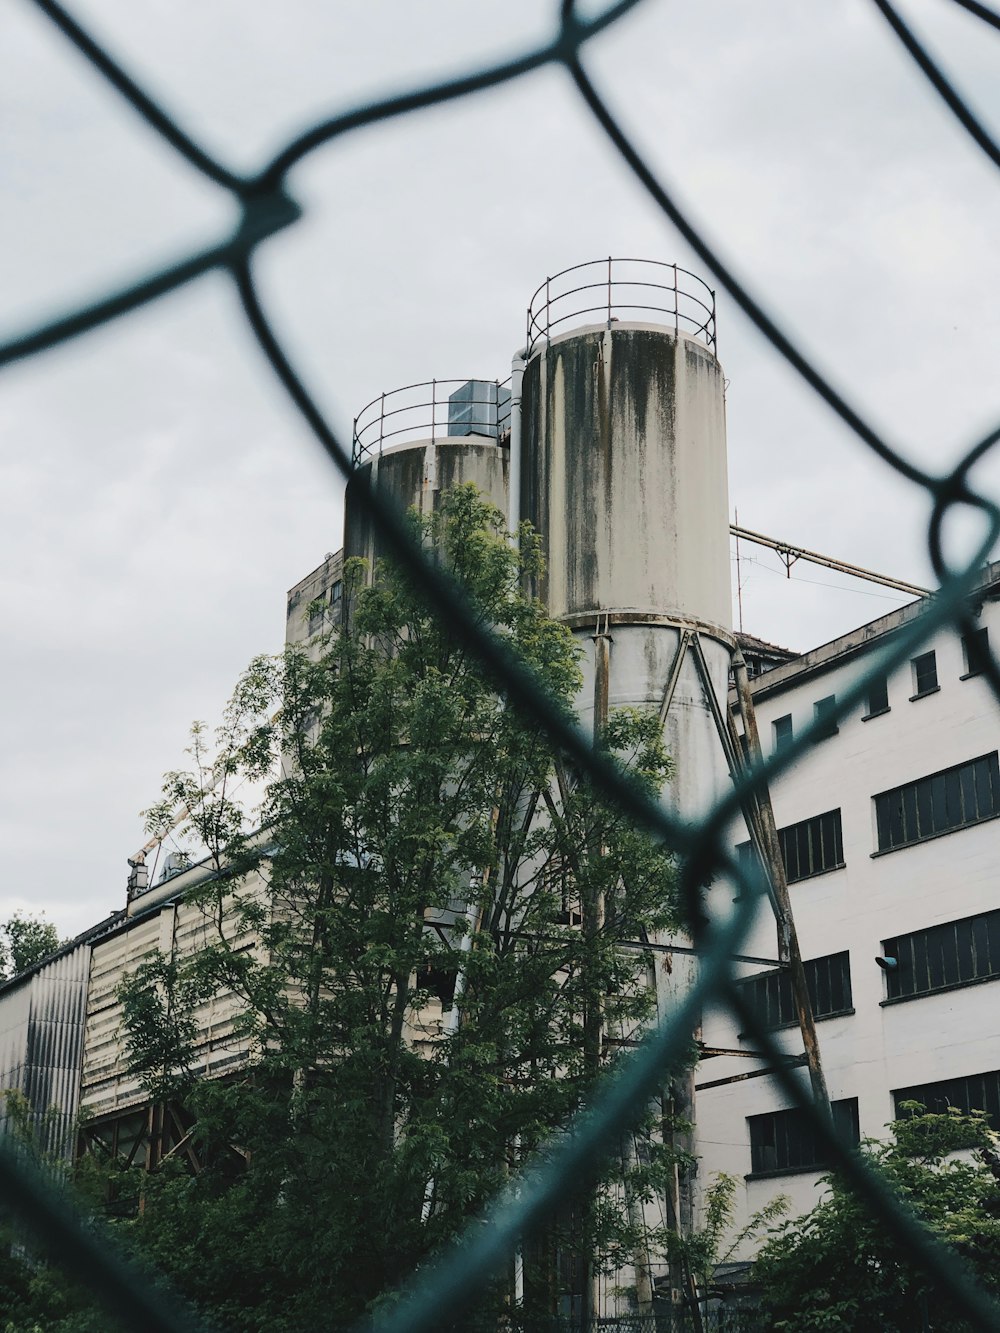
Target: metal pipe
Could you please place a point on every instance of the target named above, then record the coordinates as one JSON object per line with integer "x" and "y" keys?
{"x": 791, "y": 553}
{"x": 514, "y": 476}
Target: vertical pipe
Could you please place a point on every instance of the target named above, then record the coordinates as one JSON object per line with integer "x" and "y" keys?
{"x": 514, "y": 473}
{"x": 609, "y": 291}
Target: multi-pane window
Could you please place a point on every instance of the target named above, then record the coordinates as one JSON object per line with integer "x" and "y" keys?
{"x": 828, "y": 980}
{"x": 976, "y": 651}
{"x": 807, "y": 848}
{"x": 925, "y": 679}
{"x": 784, "y": 1141}
{"x": 824, "y": 711}
{"x": 878, "y": 695}
{"x": 812, "y": 846}
{"x": 973, "y": 1092}
{"x": 782, "y": 728}
{"x": 952, "y": 954}
{"x": 939, "y": 803}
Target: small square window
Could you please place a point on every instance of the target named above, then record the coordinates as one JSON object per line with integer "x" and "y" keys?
{"x": 976, "y": 648}
{"x": 878, "y": 696}
{"x": 782, "y": 728}
{"x": 925, "y": 678}
{"x": 824, "y": 712}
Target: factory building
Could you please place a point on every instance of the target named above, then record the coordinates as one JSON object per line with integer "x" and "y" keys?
{"x": 610, "y": 438}
{"x": 890, "y": 843}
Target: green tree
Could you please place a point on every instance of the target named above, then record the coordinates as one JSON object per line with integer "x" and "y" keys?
{"x": 24, "y": 941}
{"x": 439, "y": 904}
{"x": 840, "y": 1268}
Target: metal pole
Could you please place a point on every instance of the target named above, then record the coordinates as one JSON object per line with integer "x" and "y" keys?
{"x": 788, "y": 940}
{"x": 433, "y": 410}
{"x": 609, "y": 291}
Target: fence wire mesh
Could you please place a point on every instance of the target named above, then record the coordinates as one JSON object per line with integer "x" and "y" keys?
{"x": 267, "y": 208}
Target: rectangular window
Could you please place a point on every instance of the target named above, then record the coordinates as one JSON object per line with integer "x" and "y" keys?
{"x": 878, "y": 696}
{"x": 782, "y": 728}
{"x": 954, "y": 954}
{"x": 786, "y": 1141}
{"x": 976, "y": 651}
{"x": 828, "y": 980}
{"x": 925, "y": 679}
{"x": 809, "y": 848}
{"x": 812, "y": 846}
{"x": 823, "y": 710}
{"x": 973, "y": 1092}
{"x": 940, "y": 803}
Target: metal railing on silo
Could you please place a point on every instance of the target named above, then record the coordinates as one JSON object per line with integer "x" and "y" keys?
{"x": 610, "y": 289}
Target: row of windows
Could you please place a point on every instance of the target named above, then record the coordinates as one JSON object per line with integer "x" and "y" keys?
{"x": 939, "y": 803}
{"x": 786, "y": 1141}
{"x": 939, "y": 957}
{"x": 783, "y": 1141}
{"x": 965, "y": 794}
{"x": 828, "y": 981}
{"x": 955, "y": 953}
{"x": 924, "y": 673}
{"x": 808, "y": 848}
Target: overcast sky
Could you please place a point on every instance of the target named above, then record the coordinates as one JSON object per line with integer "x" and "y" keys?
{"x": 160, "y": 495}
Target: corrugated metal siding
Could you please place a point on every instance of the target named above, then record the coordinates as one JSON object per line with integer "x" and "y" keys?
{"x": 178, "y": 929}
{"x": 41, "y": 1044}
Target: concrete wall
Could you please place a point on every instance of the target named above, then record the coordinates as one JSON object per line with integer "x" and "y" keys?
{"x": 624, "y": 473}
{"x": 877, "y": 1048}
{"x": 414, "y": 475}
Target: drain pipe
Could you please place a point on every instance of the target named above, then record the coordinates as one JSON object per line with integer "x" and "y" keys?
{"x": 514, "y": 475}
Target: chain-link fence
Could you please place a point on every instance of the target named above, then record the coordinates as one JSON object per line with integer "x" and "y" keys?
{"x": 266, "y": 209}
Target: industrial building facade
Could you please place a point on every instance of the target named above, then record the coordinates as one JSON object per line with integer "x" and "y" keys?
{"x": 890, "y": 842}
{"x": 610, "y": 439}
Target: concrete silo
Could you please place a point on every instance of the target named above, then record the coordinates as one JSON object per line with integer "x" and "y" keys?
{"x": 416, "y": 442}
{"x": 623, "y": 473}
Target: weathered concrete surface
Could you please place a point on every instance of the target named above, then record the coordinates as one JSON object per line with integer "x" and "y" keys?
{"x": 414, "y": 475}
{"x": 624, "y": 473}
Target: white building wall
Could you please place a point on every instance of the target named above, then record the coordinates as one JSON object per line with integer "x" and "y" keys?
{"x": 879, "y": 1047}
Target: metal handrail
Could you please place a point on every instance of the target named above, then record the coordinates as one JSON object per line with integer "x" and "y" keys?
{"x": 427, "y": 413}
{"x": 691, "y": 309}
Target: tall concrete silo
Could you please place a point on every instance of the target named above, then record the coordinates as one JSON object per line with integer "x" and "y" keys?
{"x": 623, "y": 473}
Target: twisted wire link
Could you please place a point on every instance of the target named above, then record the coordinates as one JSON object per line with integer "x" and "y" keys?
{"x": 266, "y": 208}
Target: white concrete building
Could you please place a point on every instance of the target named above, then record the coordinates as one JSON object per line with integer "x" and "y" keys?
{"x": 891, "y": 848}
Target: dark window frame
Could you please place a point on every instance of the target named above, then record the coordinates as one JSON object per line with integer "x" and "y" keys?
{"x": 877, "y": 697}
{"x": 944, "y": 802}
{"x": 822, "y": 710}
{"x": 975, "y": 652}
{"x": 800, "y": 843}
{"x": 925, "y": 676}
{"x": 785, "y": 1143}
{"x": 965, "y": 952}
{"x": 828, "y": 980}
{"x": 967, "y": 1092}
{"x": 782, "y": 735}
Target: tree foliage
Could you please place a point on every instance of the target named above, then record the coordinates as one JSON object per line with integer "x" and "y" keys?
{"x": 840, "y": 1268}
{"x": 438, "y": 903}
{"x": 24, "y": 941}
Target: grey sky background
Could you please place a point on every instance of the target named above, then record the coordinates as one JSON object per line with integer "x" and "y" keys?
{"x": 159, "y": 495}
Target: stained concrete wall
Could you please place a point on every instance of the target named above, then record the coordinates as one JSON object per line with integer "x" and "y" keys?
{"x": 414, "y": 475}
{"x": 624, "y": 473}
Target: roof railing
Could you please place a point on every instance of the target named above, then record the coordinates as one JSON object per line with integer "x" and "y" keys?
{"x": 432, "y": 410}
{"x": 608, "y": 289}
